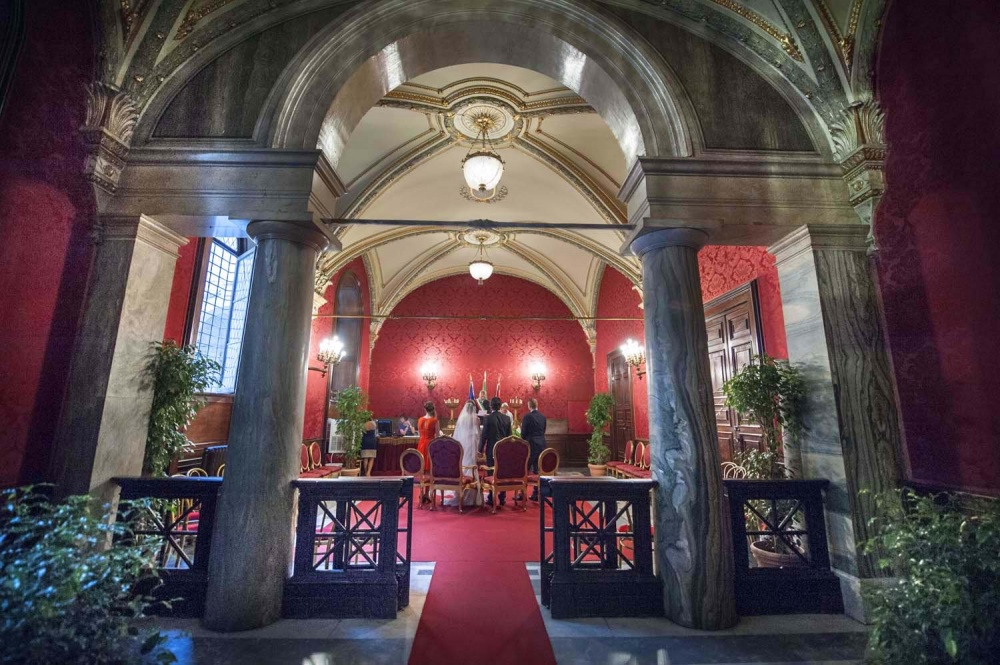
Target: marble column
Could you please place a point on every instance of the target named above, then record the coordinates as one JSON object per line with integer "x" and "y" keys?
{"x": 102, "y": 428}
{"x": 852, "y": 433}
{"x": 693, "y": 548}
{"x": 252, "y": 540}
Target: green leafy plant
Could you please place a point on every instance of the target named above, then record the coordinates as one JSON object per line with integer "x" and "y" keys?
{"x": 598, "y": 416}
{"x": 944, "y": 605}
{"x": 771, "y": 393}
{"x": 177, "y": 374}
{"x": 351, "y": 404}
{"x": 65, "y": 596}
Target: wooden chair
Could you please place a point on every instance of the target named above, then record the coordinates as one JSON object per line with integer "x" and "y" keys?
{"x": 197, "y": 472}
{"x": 316, "y": 461}
{"x": 631, "y": 469}
{"x": 412, "y": 463}
{"x": 221, "y": 470}
{"x": 509, "y": 472}
{"x": 627, "y": 459}
{"x": 446, "y": 472}
{"x": 548, "y": 465}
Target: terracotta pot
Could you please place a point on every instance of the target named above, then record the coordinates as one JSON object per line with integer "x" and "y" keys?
{"x": 765, "y": 558}
{"x": 598, "y": 469}
{"x": 350, "y": 472}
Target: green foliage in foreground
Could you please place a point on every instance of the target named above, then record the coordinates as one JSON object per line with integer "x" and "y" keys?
{"x": 65, "y": 597}
{"x": 945, "y": 606}
{"x": 598, "y": 417}
{"x": 352, "y": 407}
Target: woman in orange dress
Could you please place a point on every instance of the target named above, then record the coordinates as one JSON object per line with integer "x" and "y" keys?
{"x": 429, "y": 430}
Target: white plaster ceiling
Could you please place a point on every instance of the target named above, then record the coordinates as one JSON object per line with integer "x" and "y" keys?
{"x": 403, "y": 162}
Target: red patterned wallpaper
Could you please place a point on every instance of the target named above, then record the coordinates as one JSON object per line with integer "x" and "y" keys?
{"x": 46, "y": 214}
{"x": 463, "y": 346}
{"x": 938, "y": 236}
{"x": 722, "y": 270}
{"x": 322, "y": 328}
{"x": 180, "y": 292}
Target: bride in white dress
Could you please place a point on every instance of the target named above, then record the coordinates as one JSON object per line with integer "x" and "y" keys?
{"x": 467, "y": 433}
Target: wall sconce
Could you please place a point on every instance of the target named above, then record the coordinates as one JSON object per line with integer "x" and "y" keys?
{"x": 429, "y": 374}
{"x": 537, "y": 375}
{"x": 515, "y": 403}
{"x": 635, "y": 355}
{"x": 331, "y": 352}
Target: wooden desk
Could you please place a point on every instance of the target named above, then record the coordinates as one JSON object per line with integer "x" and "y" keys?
{"x": 389, "y": 450}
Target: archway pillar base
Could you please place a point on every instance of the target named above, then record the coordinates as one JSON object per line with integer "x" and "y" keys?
{"x": 693, "y": 547}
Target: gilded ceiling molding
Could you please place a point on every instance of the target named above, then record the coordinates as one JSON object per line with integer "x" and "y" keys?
{"x": 196, "y": 14}
{"x": 627, "y": 266}
{"x": 859, "y": 142}
{"x": 783, "y": 38}
{"x": 107, "y": 131}
{"x": 410, "y": 272}
{"x": 538, "y": 130}
{"x": 844, "y": 41}
{"x": 564, "y": 287}
{"x": 427, "y": 136}
{"x": 330, "y": 262}
{"x": 608, "y": 207}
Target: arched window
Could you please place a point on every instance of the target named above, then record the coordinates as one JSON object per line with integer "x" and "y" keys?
{"x": 348, "y": 302}
{"x": 220, "y": 305}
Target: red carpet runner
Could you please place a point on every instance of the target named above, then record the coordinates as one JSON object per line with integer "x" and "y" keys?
{"x": 480, "y": 607}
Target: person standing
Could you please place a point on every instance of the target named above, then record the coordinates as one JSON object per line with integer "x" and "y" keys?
{"x": 496, "y": 426}
{"x": 405, "y": 427}
{"x": 505, "y": 410}
{"x": 533, "y": 431}
{"x": 428, "y": 428}
{"x": 369, "y": 448}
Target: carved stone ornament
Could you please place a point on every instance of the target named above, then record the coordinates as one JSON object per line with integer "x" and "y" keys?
{"x": 111, "y": 119}
{"x": 859, "y": 146}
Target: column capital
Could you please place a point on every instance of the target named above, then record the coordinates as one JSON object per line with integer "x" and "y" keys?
{"x": 650, "y": 234}
{"x": 138, "y": 227}
{"x": 843, "y": 238}
{"x": 304, "y": 232}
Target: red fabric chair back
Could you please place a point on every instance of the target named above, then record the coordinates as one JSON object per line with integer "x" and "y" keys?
{"x": 548, "y": 462}
{"x": 640, "y": 451}
{"x": 304, "y": 458}
{"x": 645, "y": 456}
{"x": 629, "y": 448}
{"x": 411, "y": 461}
{"x": 315, "y": 455}
{"x": 511, "y": 458}
{"x": 446, "y": 458}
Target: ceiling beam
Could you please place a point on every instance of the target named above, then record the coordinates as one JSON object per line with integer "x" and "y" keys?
{"x": 482, "y": 224}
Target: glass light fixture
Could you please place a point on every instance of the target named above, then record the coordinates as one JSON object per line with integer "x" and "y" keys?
{"x": 429, "y": 374}
{"x": 481, "y": 269}
{"x": 537, "y": 375}
{"x": 331, "y": 351}
{"x": 482, "y": 166}
{"x": 635, "y": 355}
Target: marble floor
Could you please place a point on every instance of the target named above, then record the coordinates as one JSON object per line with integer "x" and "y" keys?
{"x": 789, "y": 640}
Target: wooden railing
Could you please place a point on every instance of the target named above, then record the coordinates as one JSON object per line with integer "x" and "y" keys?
{"x": 352, "y": 550}
{"x": 178, "y": 520}
{"x": 788, "y": 570}
{"x": 597, "y": 555}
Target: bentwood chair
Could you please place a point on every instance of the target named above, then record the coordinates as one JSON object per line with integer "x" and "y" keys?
{"x": 631, "y": 469}
{"x": 446, "y": 472}
{"x": 509, "y": 472}
{"x": 615, "y": 465}
{"x": 221, "y": 471}
{"x": 197, "y": 472}
{"x": 548, "y": 465}
{"x": 411, "y": 462}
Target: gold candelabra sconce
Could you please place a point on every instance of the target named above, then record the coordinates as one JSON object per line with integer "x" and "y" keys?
{"x": 537, "y": 375}
{"x": 452, "y": 404}
{"x": 515, "y": 403}
{"x": 429, "y": 374}
{"x": 635, "y": 356}
{"x": 331, "y": 352}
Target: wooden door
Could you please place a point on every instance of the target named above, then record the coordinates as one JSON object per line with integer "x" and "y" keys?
{"x": 620, "y": 386}
{"x": 733, "y": 327}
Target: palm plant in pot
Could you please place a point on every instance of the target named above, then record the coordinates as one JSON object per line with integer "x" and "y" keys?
{"x": 598, "y": 417}
{"x": 770, "y": 392}
{"x": 351, "y": 404}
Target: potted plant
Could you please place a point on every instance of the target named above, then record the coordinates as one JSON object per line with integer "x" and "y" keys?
{"x": 598, "y": 417}
{"x": 176, "y": 374}
{"x": 351, "y": 404}
{"x": 769, "y": 392}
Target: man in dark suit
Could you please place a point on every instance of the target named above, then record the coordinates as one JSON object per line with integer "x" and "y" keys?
{"x": 533, "y": 431}
{"x": 496, "y": 426}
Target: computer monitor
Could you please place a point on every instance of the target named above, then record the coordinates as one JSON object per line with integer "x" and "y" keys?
{"x": 384, "y": 427}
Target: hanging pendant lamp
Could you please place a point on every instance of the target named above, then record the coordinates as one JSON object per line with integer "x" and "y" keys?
{"x": 481, "y": 269}
{"x": 482, "y": 166}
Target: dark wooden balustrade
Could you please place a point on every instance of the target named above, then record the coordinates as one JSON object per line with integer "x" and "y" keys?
{"x": 352, "y": 550}
{"x": 787, "y": 515}
{"x": 179, "y": 521}
{"x": 597, "y": 554}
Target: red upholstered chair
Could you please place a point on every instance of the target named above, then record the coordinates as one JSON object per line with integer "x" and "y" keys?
{"x": 305, "y": 465}
{"x": 631, "y": 469}
{"x": 614, "y": 466}
{"x": 644, "y": 471}
{"x": 446, "y": 472}
{"x": 509, "y": 472}
{"x": 548, "y": 465}
{"x": 411, "y": 462}
{"x": 316, "y": 461}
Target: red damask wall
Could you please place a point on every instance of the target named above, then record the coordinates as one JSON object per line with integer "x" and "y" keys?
{"x": 462, "y": 346}
{"x": 180, "y": 292}
{"x": 322, "y": 327}
{"x": 939, "y": 237}
{"x": 722, "y": 270}
{"x": 46, "y": 213}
